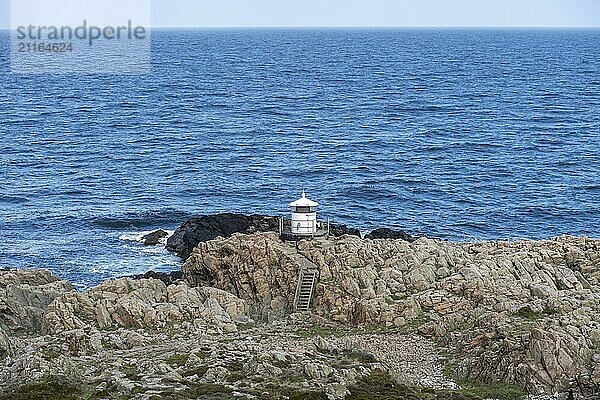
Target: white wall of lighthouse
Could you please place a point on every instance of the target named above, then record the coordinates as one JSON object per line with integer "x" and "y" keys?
{"x": 304, "y": 216}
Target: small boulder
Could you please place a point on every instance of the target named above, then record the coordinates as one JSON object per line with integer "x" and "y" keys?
{"x": 154, "y": 238}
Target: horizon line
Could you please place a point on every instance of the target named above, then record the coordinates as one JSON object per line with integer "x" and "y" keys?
{"x": 364, "y": 26}
{"x": 377, "y": 26}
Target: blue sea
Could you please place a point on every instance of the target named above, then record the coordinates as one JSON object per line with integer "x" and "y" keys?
{"x": 461, "y": 134}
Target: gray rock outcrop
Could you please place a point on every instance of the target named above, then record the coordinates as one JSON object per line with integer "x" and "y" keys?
{"x": 204, "y": 228}
{"x": 524, "y": 312}
{"x": 142, "y": 304}
{"x": 24, "y": 297}
{"x": 139, "y": 339}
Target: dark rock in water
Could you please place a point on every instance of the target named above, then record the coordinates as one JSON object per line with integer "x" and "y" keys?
{"x": 387, "y": 233}
{"x": 152, "y": 239}
{"x": 338, "y": 230}
{"x": 208, "y": 227}
{"x": 167, "y": 278}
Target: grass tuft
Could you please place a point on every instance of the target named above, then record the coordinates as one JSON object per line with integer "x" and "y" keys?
{"x": 500, "y": 391}
{"x": 178, "y": 360}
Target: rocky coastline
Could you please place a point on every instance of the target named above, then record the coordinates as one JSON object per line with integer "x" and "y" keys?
{"x": 392, "y": 316}
{"x": 207, "y": 227}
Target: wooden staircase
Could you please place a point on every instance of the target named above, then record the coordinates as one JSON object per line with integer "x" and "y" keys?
{"x": 308, "y": 275}
{"x": 307, "y": 280}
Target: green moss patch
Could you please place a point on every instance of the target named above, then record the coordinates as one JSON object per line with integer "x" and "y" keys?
{"x": 198, "y": 371}
{"x": 205, "y": 391}
{"x": 380, "y": 386}
{"x": 500, "y": 391}
{"x": 49, "y": 388}
{"x": 528, "y": 314}
{"x": 202, "y": 354}
{"x": 178, "y": 360}
{"x": 283, "y": 393}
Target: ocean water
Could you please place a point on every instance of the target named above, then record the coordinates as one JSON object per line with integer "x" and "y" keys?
{"x": 458, "y": 134}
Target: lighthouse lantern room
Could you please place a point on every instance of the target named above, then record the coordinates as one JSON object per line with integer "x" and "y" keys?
{"x": 304, "y": 216}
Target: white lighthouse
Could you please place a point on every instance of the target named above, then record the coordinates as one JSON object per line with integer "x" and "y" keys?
{"x": 304, "y": 216}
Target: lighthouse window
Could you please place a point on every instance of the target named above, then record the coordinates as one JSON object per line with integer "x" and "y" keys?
{"x": 303, "y": 209}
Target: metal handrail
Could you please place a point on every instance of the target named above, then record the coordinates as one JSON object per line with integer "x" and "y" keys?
{"x": 320, "y": 224}
{"x": 298, "y": 287}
